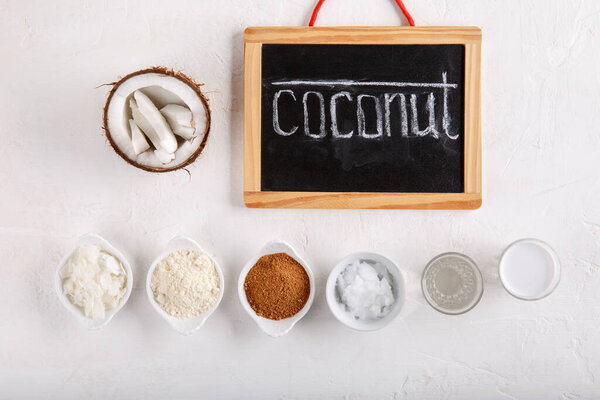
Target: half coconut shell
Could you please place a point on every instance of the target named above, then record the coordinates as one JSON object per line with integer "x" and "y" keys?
{"x": 164, "y": 86}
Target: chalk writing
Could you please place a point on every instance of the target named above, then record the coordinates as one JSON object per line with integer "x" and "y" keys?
{"x": 276, "y": 126}
{"x": 382, "y": 104}
{"x": 360, "y": 115}
{"x": 333, "y": 111}
{"x": 322, "y": 131}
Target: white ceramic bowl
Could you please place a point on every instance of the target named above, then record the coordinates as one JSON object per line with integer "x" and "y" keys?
{"x": 91, "y": 323}
{"x": 271, "y": 327}
{"x": 337, "y": 308}
{"x": 185, "y": 326}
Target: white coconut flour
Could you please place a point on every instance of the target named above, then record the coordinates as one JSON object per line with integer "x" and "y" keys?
{"x": 185, "y": 284}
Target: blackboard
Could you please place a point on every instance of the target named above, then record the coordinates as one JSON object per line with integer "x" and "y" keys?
{"x": 309, "y": 78}
{"x": 361, "y": 117}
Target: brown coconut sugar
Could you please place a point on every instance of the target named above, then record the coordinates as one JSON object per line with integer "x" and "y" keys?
{"x": 277, "y": 286}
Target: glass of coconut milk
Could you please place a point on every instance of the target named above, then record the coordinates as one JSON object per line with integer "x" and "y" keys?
{"x": 529, "y": 269}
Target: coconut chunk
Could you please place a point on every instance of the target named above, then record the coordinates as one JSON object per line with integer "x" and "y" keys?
{"x": 164, "y": 156}
{"x": 180, "y": 119}
{"x": 184, "y": 131}
{"x": 158, "y": 122}
{"x": 144, "y": 124}
{"x": 174, "y": 113}
{"x": 138, "y": 140}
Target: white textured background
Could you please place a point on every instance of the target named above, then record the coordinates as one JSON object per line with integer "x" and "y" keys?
{"x": 59, "y": 179}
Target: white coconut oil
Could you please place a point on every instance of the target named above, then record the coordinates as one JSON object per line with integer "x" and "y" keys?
{"x": 365, "y": 290}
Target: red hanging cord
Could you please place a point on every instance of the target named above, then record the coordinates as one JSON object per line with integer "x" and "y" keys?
{"x": 407, "y": 15}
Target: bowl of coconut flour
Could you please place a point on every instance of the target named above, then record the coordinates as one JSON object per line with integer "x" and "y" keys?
{"x": 365, "y": 291}
{"x": 185, "y": 285}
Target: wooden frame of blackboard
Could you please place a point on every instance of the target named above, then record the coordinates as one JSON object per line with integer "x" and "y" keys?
{"x": 255, "y": 37}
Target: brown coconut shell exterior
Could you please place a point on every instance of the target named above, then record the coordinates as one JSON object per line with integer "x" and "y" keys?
{"x": 177, "y": 75}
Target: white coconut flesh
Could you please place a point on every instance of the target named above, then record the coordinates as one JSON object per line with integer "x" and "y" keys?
{"x": 162, "y": 90}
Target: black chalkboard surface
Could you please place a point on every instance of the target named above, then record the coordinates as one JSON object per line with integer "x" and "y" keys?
{"x": 362, "y": 118}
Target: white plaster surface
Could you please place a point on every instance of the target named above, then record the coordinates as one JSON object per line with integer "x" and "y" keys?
{"x": 60, "y": 179}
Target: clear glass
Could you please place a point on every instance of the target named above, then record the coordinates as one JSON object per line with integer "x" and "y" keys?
{"x": 452, "y": 283}
{"x": 553, "y": 270}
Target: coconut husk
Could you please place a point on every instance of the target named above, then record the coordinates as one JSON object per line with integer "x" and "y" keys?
{"x": 177, "y": 75}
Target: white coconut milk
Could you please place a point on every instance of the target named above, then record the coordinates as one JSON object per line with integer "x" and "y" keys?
{"x": 529, "y": 269}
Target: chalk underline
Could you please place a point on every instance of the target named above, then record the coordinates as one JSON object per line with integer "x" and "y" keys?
{"x": 356, "y": 83}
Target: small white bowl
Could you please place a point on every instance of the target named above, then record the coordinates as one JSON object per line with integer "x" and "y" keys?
{"x": 185, "y": 326}
{"x": 337, "y": 308}
{"x": 271, "y": 327}
{"x": 91, "y": 323}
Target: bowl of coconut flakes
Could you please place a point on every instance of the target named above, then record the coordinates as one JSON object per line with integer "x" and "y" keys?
{"x": 93, "y": 281}
{"x": 185, "y": 285}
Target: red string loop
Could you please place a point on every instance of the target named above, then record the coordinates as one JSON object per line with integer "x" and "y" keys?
{"x": 407, "y": 15}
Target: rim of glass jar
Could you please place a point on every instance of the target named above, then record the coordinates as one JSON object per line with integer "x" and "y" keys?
{"x": 552, "y": 253}
{"x": 432, "y": 303}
